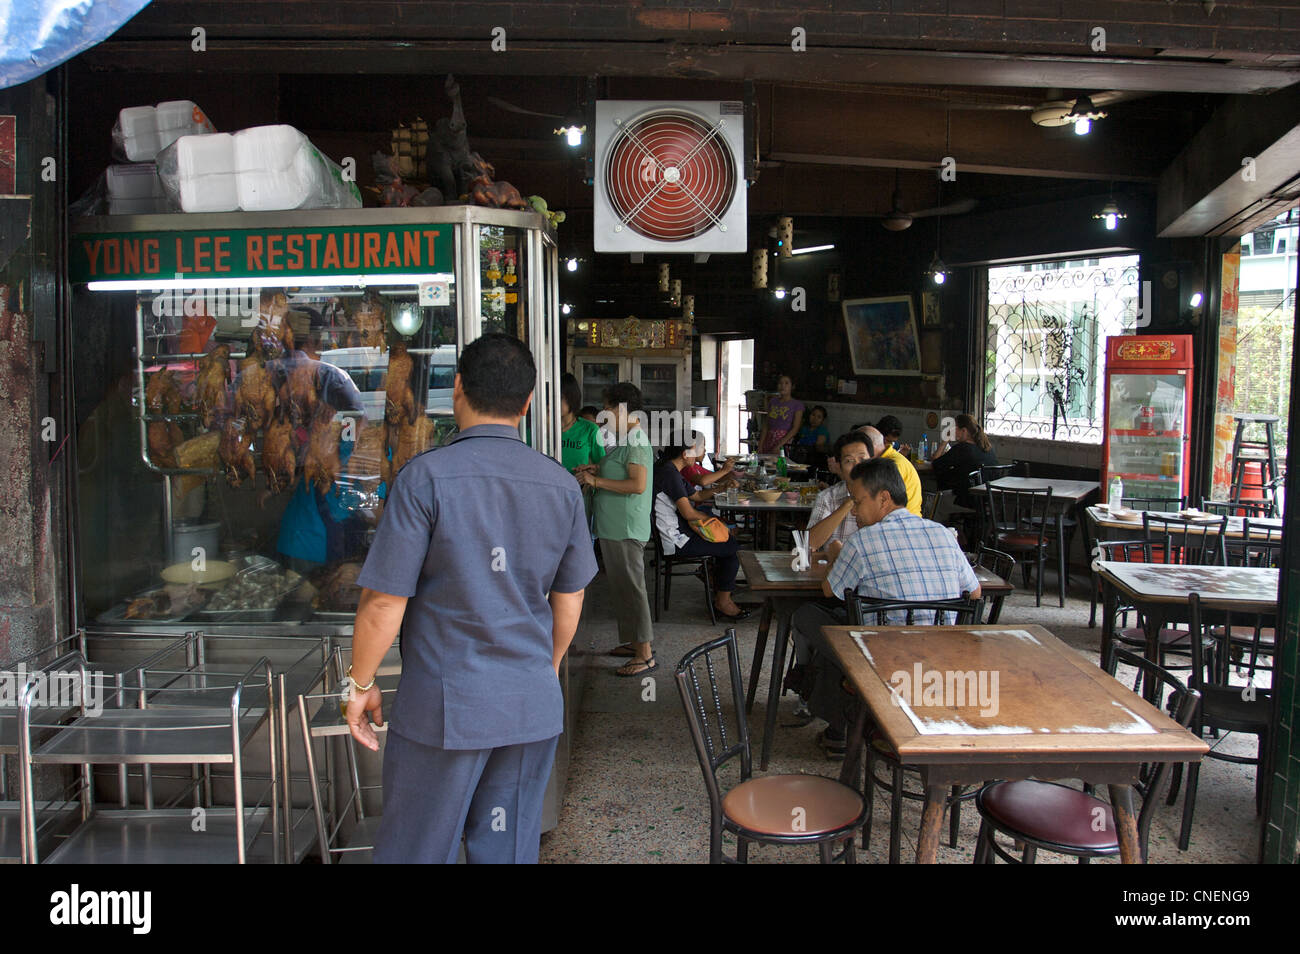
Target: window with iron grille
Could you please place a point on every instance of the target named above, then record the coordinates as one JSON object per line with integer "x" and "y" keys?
{"x": 1045, "y": 344}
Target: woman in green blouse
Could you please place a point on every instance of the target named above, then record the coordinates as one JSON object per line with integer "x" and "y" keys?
{"x": 622, "y": 509}
{"x": 579, "y": 437}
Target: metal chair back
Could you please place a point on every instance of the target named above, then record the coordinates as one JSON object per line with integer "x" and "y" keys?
{"x": 1023, "y": 513}
{"x": 932, "y": 503}
{"x": 718, "y": 735}
{"x": 998, "y": 561}
{"x": 991, "y": 472}
{"x": 1162, "y": 504}
{"x": 1260, "y": 547}
{"x": 1170, "y": 539}
{"x": 894, "y": 612}
{"x": 1237, "y": 508}
{"x": 1181, "y": 705}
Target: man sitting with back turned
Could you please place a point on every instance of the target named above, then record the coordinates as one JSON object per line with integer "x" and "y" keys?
{"x": 911, "y": 479}
{"x": 895, "y": 555}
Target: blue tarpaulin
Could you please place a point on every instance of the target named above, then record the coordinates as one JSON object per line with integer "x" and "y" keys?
{"x": 38, "y": 35}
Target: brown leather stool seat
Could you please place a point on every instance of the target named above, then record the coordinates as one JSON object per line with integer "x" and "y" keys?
{"x": 1050, "y": 813}
{"x": 769, "y": 804}
{"x": 1018, "y": 540}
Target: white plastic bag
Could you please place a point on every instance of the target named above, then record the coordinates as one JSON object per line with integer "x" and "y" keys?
{"x": 141, "y": 132}
{"x": 264, "y": 168}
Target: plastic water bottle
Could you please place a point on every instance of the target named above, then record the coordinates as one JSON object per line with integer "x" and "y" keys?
{"x": 923, "y": 448}
{"x": 1115, "y": 495}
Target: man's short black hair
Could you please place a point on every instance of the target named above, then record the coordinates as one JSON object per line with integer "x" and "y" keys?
{"x": 890, "y": 427}
{"x": 625, "y": 392}
{"x": 844, "y": 440}
{"x": 879, "y": 474}
{"x": 497, "y": 373}
{"x": 571, "y": 393}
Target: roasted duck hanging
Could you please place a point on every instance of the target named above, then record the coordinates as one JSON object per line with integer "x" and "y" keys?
{"x": 278, "y": 460}
{"x": 161, "y": 396}
{"x": 298, "y": 392}
{"x": 321, "y": 466}
{"x": 211, "y": 382}
{"x": 254, "y": 394}
{"x": 236, "y": 451}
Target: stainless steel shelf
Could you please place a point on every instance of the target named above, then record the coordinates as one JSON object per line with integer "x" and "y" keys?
{"x": 163, "y": 736}
{"x": 50, "y": 823}
{"x": 161, "y": 837}
{"x": 363, "y": 834}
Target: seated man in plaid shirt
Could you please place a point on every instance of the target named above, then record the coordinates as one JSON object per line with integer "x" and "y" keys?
{"x": 895, "y": 555}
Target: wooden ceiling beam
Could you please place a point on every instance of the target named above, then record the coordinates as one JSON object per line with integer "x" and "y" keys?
{"x": 727, "y": 61}
{"x": 1209, "y": 189}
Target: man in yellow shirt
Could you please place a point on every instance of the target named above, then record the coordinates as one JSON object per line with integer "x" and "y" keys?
{"x": 911, "y": 479}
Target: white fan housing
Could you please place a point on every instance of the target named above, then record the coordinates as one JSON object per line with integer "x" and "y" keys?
{"x": 670, "y": 177}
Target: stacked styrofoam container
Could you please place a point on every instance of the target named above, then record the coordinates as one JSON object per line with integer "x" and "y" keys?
{"x": 260, "y": 169}
{"x": 134, "y": 189}
{"x": 144, "y": 131}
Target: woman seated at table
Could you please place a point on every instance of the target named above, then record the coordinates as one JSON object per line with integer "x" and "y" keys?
{"x": 695, "y": 473}
{"x": 673, "y": 512}
{"x": 953, "y": 463}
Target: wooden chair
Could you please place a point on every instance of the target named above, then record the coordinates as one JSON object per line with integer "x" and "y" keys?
{"x": 1057, "y": 818}
{"x": 1223, "y": 708}
{"x": 771, "y": 809}
{"x": 663, "y": 568}
{"x": 863, "y": 610}
{"x": 1019, "y": 519}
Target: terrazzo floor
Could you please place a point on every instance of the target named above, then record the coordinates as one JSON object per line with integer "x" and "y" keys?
{"x": 635, "y": 792}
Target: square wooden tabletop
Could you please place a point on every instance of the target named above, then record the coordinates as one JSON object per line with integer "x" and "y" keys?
{"x": 1247, "y": 589}
{"x": 1006, "y": 696}
{"x": 1072, "y": 491}
{"x": 770, "y": 570}
{"x": 1261, "y": 528}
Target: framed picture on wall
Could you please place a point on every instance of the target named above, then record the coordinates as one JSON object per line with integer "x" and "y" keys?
{"x": 882, "y": 335}
{"x": 929, "y": 310}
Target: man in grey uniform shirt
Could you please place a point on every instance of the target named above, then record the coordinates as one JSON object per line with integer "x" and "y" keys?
{"x": 480, "y": 561}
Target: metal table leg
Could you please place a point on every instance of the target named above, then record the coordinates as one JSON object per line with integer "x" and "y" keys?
{"x": 760, "y": 646}
{"x": 774, "y": 686}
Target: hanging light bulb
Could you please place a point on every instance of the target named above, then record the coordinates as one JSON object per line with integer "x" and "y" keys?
{"x": 571, "y": 264}
{"x": 937, "y": 270}
{"x": 779, "y": 291}
{"x": 1082, "y": 127}
{"x": 566, "y": 308}
{"x": 1110, "y": 215}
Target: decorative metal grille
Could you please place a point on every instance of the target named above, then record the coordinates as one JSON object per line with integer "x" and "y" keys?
{"x": 1045, "y": 344}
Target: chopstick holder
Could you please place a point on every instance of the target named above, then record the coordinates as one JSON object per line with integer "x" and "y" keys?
{"x": 799, "y": 560}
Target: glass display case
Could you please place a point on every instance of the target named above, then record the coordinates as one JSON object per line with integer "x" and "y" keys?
{"x": 248, "y": 386}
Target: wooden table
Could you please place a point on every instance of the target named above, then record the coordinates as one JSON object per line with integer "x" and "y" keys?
{"x": 1159, "y": 591}
{"x": 1066, "y": 495}
{"x": 1261, "y": 528}
{"x": 783, "y": 590}
{"x": 993, "y": 590}
{"x": 768, "y": 511}
{"x": 1053, "y": 715}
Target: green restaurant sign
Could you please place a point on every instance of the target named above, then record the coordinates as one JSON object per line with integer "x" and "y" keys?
{"x": 416, "y": 249}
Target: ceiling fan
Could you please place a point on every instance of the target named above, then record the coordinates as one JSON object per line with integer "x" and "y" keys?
{"x": 898, "y": 219}
{"x": 1058, "y": 110}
